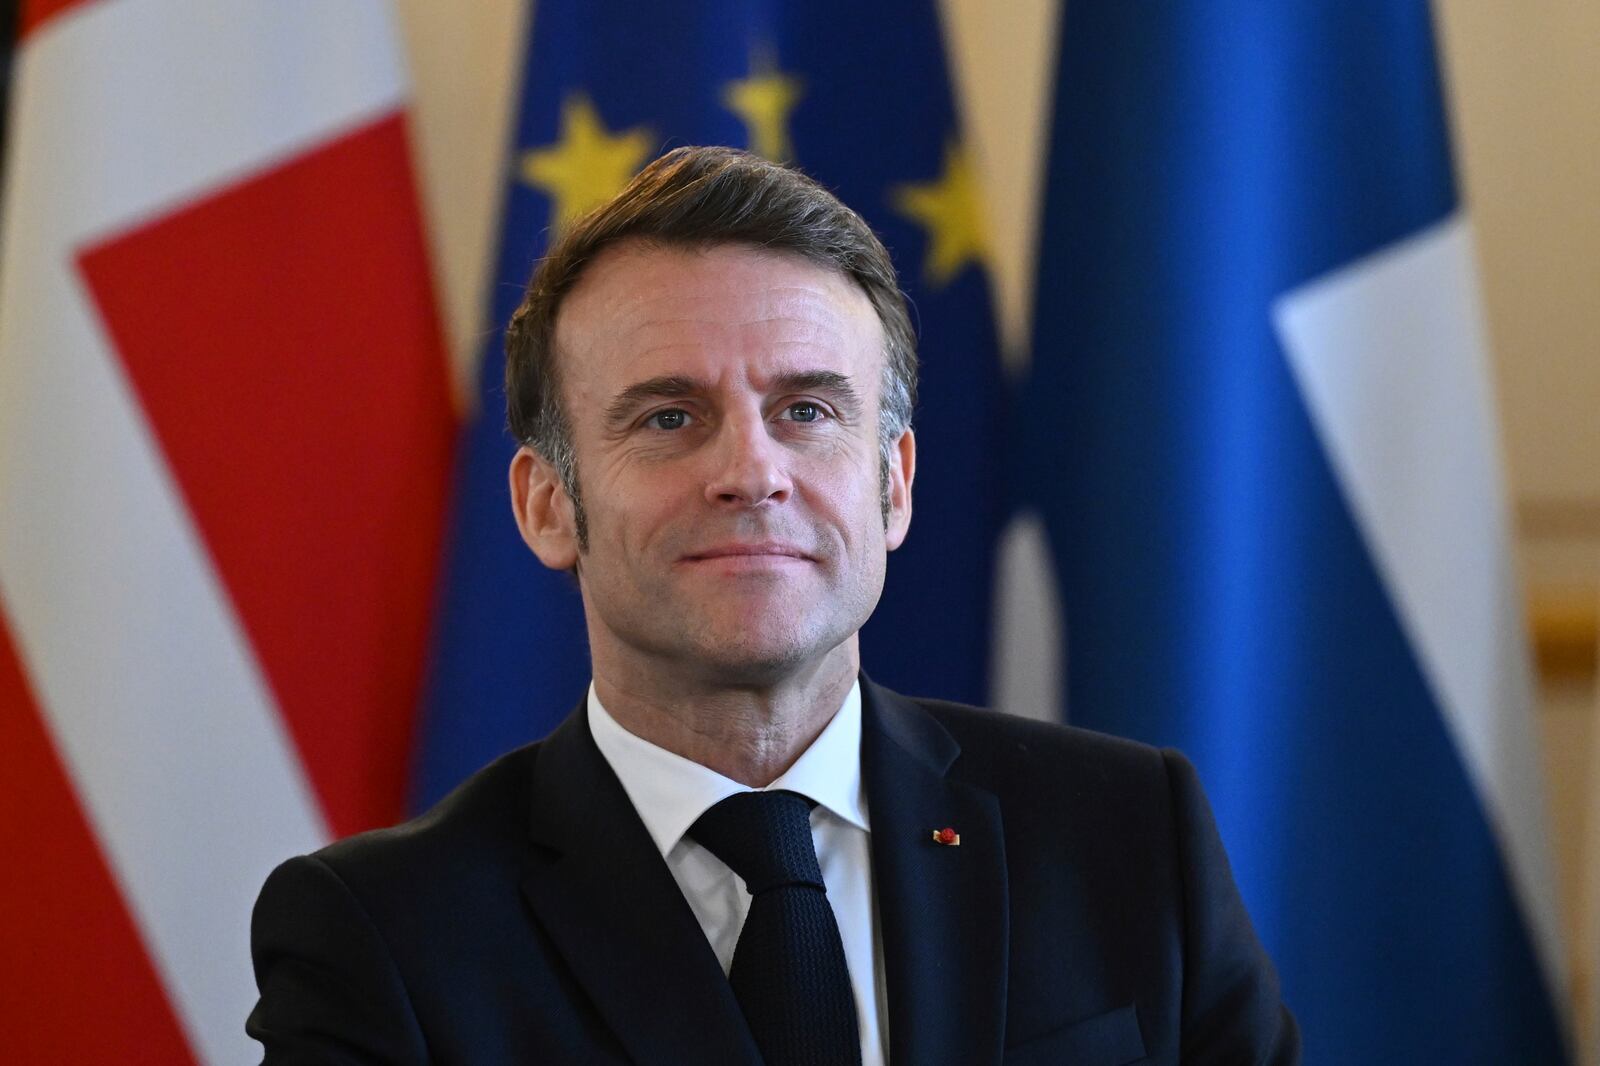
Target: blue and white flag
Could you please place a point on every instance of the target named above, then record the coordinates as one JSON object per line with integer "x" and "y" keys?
{"x": 1259, "y": 434}
{"x": 856, "y": 95}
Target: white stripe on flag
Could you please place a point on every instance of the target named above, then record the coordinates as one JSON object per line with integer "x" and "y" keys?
{"x": 136, "y": 106}
{"x": 145, "y": 678}
{"x": 1028, "y": 633}
{"x": 1391, "y": 358}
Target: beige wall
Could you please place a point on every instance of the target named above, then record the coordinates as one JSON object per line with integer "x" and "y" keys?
{"x": 1526, "y": 112}
{"x": 1526, "y": 97}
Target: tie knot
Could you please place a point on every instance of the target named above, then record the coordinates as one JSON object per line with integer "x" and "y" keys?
{"x": 764, "y": 837}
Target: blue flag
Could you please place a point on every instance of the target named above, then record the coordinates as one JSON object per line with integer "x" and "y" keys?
{"x": 1258, "y": 432}
{"x": 856, "y": 95}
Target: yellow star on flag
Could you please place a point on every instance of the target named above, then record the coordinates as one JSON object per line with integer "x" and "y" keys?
{"x": 763, "y": 101}
{"x": 587, "y": 166}
{"x": 948, "y": 209}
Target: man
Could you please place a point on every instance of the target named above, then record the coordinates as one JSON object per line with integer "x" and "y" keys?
{"x": 738, "y": 849}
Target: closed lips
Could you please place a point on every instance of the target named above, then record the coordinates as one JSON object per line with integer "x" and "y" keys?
{"x": 725, "y": 551}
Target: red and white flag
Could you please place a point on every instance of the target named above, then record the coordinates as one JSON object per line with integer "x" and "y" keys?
{"x": 225, "y": 436}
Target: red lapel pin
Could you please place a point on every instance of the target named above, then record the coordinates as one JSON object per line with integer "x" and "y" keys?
{"x": 947, "y": 836}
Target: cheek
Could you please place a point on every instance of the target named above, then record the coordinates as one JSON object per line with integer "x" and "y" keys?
{"x": 852, "y": 509}
{"x": 637, "y": 516}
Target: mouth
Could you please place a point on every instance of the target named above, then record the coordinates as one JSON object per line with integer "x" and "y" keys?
{"x": 750, "y": 554}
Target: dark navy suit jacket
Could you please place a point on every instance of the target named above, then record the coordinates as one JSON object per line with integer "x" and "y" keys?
{"x": 1088, "y": 916}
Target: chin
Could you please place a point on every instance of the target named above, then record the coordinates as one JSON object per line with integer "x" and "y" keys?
{"x": 749, "y": 660}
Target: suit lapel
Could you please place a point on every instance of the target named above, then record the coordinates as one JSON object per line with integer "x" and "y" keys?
{"x": 943, "y": 910}
{"x": 607, "y": 900}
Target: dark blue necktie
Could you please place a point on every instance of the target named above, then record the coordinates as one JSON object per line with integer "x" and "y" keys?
{"x": 788, "y": 970}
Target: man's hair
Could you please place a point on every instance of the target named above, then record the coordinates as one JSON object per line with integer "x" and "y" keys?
{"x": 699, "y": 198}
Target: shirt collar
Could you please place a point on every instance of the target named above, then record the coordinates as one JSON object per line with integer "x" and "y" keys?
{"x": 671, "y": 792}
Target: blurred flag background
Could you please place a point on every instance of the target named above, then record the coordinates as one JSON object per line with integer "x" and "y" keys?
{"x": 225, "y": 432}
{"x": 1258, "y": 428}
{"x": 1208, "y": 439}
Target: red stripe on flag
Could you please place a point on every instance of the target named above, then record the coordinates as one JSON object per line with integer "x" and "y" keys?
{"x": 75, "y": 982}
{"x": 36, "y": 12}
{"x": 283, "y": 339}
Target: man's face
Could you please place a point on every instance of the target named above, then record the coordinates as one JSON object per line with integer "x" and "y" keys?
{"x": 724, "y": 411}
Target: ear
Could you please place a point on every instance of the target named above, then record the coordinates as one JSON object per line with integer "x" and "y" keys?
{"x": 543, "y": 510}
{"x": 902, "y": 469}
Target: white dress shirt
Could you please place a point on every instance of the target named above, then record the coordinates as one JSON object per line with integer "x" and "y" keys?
{"x": 671, "y": 793}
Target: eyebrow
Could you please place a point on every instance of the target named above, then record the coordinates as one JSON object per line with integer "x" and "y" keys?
{"x": 835, "y": 386}
{"x": 669, "y": 387}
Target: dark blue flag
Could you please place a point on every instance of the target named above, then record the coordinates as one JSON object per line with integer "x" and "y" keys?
{"x": 1259, "y": 434}
{"x": 857, "y": 95}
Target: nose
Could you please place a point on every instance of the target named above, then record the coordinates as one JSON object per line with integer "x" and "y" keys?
{"x": 750, "y": 466}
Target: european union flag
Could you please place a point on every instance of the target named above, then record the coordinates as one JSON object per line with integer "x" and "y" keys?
{"x": 858, "y": 96}
{"x": 1259, "y": 433}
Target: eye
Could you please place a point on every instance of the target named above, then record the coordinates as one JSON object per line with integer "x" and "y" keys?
{"x": 805, "y": 411}
{"x": 671, "y": 418}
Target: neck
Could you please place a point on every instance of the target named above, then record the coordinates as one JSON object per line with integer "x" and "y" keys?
{"x": 749, "y": 733}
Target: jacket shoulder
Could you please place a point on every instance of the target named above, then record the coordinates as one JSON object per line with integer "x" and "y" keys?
{"x": 482, "y": 822}
{"x": 997, "y": 747}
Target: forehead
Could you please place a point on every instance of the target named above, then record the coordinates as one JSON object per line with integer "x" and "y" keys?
{"x": 642, "y": 310}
